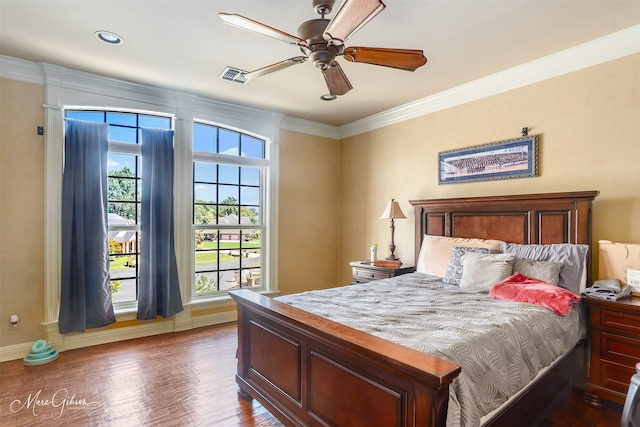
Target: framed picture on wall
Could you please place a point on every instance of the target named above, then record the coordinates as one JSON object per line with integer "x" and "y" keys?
{"x": 514, "y": 158}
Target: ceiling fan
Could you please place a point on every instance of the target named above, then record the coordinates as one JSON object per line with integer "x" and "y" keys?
{"x": 322, "y": 40}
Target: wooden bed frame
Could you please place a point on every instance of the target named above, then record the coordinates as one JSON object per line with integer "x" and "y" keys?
{"x": 311, "y": 371}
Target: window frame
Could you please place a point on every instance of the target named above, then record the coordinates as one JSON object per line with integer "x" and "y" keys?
{"x": 233, "y": 160}
{"x": 135, "y": 149}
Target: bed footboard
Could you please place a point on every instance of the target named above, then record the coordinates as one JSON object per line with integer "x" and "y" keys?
{"x": 310, "y": 371}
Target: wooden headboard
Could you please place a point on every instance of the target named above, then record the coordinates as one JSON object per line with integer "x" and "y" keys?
{"x": 525, "y": 219}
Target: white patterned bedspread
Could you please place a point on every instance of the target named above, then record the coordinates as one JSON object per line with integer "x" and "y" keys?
{"x": 500, "y": 345}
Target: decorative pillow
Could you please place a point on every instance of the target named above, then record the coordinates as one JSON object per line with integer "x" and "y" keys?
{"x": 481, "y": 271}
{"x": 546, "y": 271}
{"x": 521, "y": 288}
{"x": 435, "y": 252}
{"x": 454, "y": 269}
{"x": 573, "y": 259}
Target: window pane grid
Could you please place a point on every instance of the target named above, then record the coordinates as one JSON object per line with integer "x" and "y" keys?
{"x": 226, "y": 206}
{"x": 223, "y": 263}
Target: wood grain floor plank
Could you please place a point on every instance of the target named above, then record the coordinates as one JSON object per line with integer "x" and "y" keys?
{"x": 180, "y": 379}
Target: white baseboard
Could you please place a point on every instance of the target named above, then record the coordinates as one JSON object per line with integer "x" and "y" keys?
{"x": 13, "y": 352}
{"x": 88, "y": 339}
{"x": 70, "y": 342}
{"x": 215, "y": 319}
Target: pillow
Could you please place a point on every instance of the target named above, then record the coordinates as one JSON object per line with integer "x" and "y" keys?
{"x": 573, "y": 259}
{"x": 546, "y": 271}
{"x": 521, "y": 288}
{"x": 481, "y": 271}
{"x": 435, "y": 252}
{"x": 454, "y": 269}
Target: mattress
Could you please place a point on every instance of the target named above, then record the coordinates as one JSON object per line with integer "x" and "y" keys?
{"x": 500, "y": 345}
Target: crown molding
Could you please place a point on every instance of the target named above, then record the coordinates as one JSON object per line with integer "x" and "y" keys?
{"x": 604, "y": 49}
{"x": 87, "y": 89}
{"x": 309, "y": 127}
{"x": 19, "y": 69}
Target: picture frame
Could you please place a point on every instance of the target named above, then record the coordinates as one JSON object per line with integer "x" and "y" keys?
{"x": 509, "y": 159}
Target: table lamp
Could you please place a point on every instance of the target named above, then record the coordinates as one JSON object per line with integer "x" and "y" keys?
{"x": 393, "y": 212}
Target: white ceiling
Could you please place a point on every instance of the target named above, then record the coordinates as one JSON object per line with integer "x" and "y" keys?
{"x": 184, "y": 45}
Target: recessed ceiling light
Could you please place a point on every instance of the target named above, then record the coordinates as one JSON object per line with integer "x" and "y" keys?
{"x": 109, "y": 37}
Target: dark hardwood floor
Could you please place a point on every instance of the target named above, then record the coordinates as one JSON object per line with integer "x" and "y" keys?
{"x": 179, "y": 379}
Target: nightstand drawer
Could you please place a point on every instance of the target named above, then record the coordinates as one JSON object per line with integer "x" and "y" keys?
{"x": 616, "y": 377}
{"x": 619, "y": 320}
{"x": 362, "y": 276}
{"x": 365, "y": 271}
{"x": 620, "y": 349}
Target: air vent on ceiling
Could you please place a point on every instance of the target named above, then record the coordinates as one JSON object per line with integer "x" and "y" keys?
{"x": 233, "y": 75}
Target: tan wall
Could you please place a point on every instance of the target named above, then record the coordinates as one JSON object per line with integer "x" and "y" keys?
{"x": 21, "y": 211}
{"x": 309, "y": 217}
{"x": 589, "y": 140}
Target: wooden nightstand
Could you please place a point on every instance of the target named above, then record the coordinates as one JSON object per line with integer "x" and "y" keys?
{"x": 365, "y": 271}
{"x": 615, "y": 348}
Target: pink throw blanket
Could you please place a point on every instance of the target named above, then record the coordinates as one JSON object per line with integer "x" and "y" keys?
{"x": 521, "y": 288}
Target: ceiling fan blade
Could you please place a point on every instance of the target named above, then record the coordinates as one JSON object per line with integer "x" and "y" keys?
{"x": 260, "y": 28}
{"x": 336, "y": 79}
{"x": 350, "y": 17}
{"x": 261, "y": 72}
{"x": 403, "y": 59}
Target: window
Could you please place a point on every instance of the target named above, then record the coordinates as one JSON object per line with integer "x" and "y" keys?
{"x": 228, "y": 175}
{"x": 70, "y": 93}
{"x": 123, "y": 196}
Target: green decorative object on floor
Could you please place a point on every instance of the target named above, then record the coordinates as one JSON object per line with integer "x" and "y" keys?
{"x": 40, "y": 353}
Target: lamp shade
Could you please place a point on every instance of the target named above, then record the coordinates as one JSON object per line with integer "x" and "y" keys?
{"x": 393, "y": 211}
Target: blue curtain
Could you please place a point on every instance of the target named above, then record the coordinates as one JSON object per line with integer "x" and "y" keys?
{"x": 85, "y": 297}
{"x": 158, "y": 289}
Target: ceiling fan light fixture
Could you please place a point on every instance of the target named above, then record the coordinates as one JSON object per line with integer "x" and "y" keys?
{"x": 328, "y": 97}
{"x": 323, "y": 7}
{"x": 109, "y": 37}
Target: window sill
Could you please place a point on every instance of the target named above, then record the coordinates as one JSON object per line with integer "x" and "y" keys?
{"x": 131, "y": 313}
{"x": 224, "y": 300}
{"x": 125, "y": 314}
